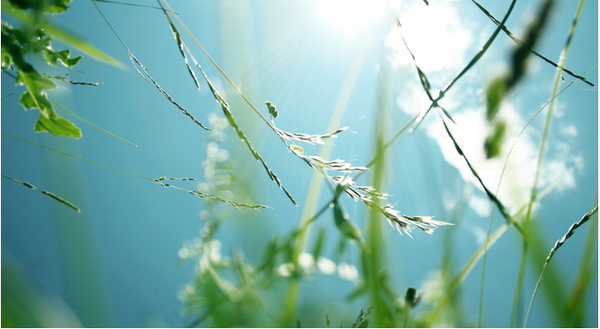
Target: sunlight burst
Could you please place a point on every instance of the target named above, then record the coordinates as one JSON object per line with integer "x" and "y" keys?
{"x": 351, "y": 17}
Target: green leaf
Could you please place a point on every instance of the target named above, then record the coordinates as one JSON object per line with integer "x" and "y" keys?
{"x": 40, "y": 102}
{"x": 57, "y": 126}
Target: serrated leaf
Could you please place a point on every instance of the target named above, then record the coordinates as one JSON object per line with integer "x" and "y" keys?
{"x": 57, "y": 126}
{"x": 41, "y": 102}
{"x": 64, "y": 56}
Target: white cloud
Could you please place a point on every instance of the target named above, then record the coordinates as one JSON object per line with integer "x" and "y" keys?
{"x": 434, "y": 34}
{"x": 570, "y": 131}
{"x": 481, "y": 205}
{"x": 479, "y": 233}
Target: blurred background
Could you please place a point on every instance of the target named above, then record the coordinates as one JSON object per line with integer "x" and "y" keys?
{"x": 116, "y": 263}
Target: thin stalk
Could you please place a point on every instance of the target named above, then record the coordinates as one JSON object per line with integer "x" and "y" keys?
{"x": 91, "y": 124}
{"x": 76, "y": 157}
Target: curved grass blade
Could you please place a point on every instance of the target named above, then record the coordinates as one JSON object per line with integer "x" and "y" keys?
{"x": 91, "y": 124}
{"x": 557, "y": 245}
{"x": 50, "y": 194}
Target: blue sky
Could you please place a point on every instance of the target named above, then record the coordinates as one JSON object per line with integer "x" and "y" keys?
{"x": 311, "y": 59}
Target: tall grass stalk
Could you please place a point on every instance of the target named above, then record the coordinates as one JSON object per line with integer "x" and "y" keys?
{"x": 563, "y": 56}
{"x": 375, "y": 254}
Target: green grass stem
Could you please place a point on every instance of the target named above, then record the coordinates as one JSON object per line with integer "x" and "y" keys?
{"x": 91, "y": 124}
